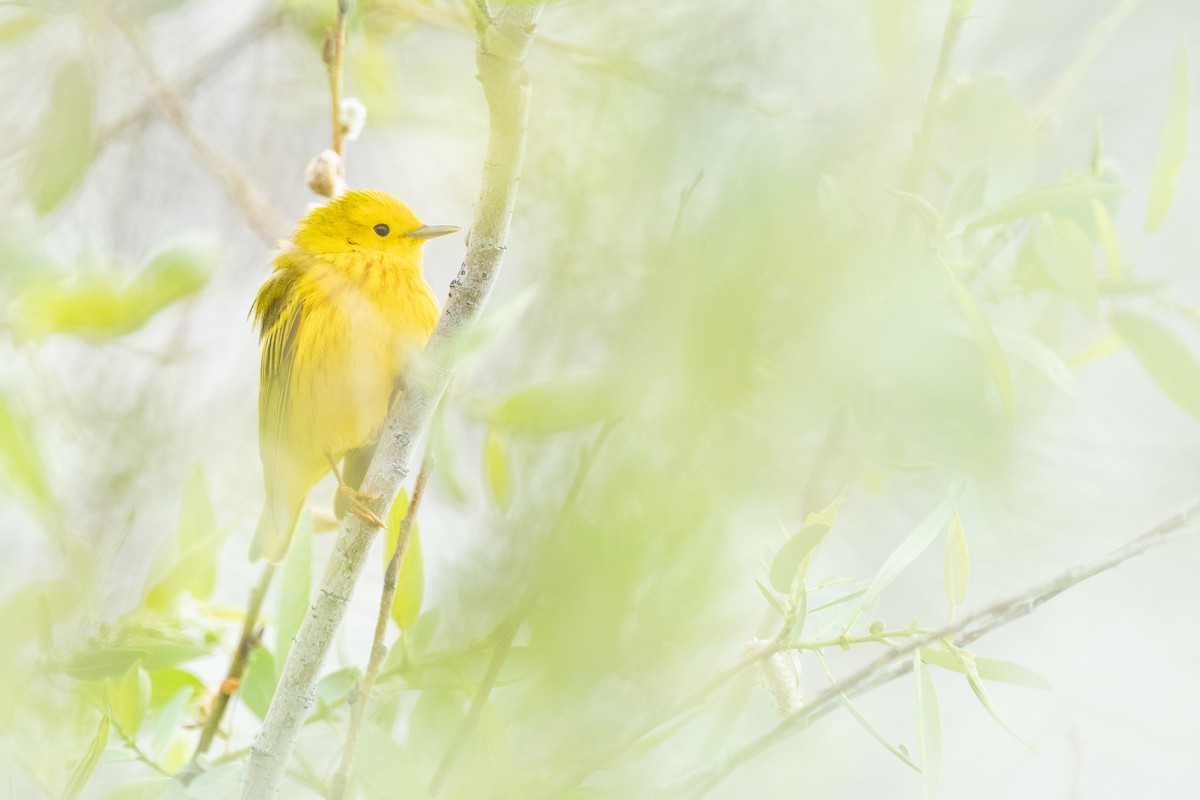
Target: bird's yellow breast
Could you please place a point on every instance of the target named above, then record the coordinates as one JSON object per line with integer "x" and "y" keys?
{"x": 365, "y": 317}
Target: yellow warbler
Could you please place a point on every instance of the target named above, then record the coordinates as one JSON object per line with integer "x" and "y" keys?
{"x": 344, "y": 310}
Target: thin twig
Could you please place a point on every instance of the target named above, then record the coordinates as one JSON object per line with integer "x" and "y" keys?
{"x": 267, "y": 222}
{"x": 501, "y": 53}
{"x": 335, "y": 44}
{"x": 378, "y": 649}
{"x": 898, "y": 662}
{"x": 937, "y": 87}
{"x": 247, "y": 643}
{"x": 512, "y": 624}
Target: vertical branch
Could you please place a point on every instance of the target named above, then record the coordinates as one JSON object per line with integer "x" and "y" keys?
{"x": 937, "y": 87}
{"x": 335, "y": 44}
{"x": 503, "y": 45}
{"x": 378, "y": 650}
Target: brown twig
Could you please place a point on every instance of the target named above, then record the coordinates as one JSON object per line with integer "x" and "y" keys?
{"x": 335, "y": 45}
{"x": 512, "y": 624}
{"x": 247, "y": 643}
{"x": 898, "y": 661}
{"x": 378, "y": 649}
{"x": 267, "y": 222}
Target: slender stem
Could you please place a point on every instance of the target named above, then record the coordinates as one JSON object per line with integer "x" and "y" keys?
{"x": 247, "y": 643}
{"x": 512, "y": 624}
{"x": 937, "y": 87}
{"x": 501, "y": 53}
{"x": 378, "y": 649}
{"x": 335, "y": 44}
{"x": 898, "y": 661}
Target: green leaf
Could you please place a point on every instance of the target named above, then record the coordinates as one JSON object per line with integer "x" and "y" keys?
{"x": 128, "y": 699}
{"x": 167, "y": 722}
{"x": 20, "y": 25}
{"x": 772, "y": 599}
{"x": 912, "y": 547}
{"x": 496, "y": 470}
{"x": 1055, "y": 198}
{"x": 1065, "y": 252}
{"x": 876, "y": 735}
{"x": 258, "y": 684}
{"x": 1035, "y": 353}
{"x": 84, "y": 768}
{"x": 167, "y": 682}
{"x": 295, "y": 588}
{"x": 989, "y": 347}
{"x": 62, "y": 149}
{"x": 1172, "y": 147}
{"x": 990, "y": 669}
{"x": 929, "y": 726}
{"x": 549, "y": 408}
{"x": 957, "y": 565}
{"x": 1108, "y": 238}
{"x": 193, "y": 566}
{"x": 967, "y": 194}
{"x": 785, "y": 567}
{"x": 410, "y": 582}
{"x": 1167, "y": 360}
{"x": 967, "y": 660}
{"x": 19, "y": 455}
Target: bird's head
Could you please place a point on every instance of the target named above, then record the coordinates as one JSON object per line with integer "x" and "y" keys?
{"x": 367, "y": 222}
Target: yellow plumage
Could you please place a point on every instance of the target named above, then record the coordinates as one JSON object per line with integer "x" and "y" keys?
{"x": 345, "y": 309}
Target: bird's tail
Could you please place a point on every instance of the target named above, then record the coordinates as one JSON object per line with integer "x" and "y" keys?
{"x": 274, "y": 536}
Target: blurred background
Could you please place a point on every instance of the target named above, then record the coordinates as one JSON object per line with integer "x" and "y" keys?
{"x": 750, "y": 280}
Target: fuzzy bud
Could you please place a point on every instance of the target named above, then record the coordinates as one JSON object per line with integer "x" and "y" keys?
{"x": 354, "y": 116}
{"x": 324, "y": 174}
{"x": 779, "y": 674}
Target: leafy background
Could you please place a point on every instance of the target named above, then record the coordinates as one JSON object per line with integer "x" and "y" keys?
{"x": 722, "y": 263}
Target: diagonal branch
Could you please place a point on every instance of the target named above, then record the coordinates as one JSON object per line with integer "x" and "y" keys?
{"x": 266, "y": 221}
{"x": 503, "y": 45}
{"x": 899, "y": 661}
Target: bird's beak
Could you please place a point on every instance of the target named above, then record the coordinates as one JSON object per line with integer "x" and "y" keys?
{"x": 430, "y": 231}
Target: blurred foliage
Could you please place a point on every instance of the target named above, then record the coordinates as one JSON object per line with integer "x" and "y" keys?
{"x": 737, "y": 321}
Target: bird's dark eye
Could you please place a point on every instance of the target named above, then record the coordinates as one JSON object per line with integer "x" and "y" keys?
{"x": 382, "y": 229}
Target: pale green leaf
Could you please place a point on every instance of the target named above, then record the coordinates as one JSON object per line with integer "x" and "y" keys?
{"x": 295, "y": 588}
{"x": 990, "y": 669}
{"x": 1167, "y": 360}
{"x": 957, "y": 565}
{"x": 785, "y": 567}
{"x": 912, "y": 547}
{"x": 929, "y": 726}
{"x": 1172, "y": 147}
{"x": 989, "y": 347}
{"x": 1108, "y": 238}
{"x": 128, "y": 699}
{"x": 1055, "y": 198}
{"x": 63, "y": 148}
{"x": 556, "y": 407}
{"x": 258, "y": 684}
{"x": 82, "y": 772}
{"x": 19, "y": 455}
{"x": 876, "y": 735}
{"x": 410, "y": 583}
{"x": 496, "y": 470}
{"x": 973, "y": 679}
{"x": 162, "y": 788}
{"x": 384, "y": 770}
{"x": 1065, "y": 253}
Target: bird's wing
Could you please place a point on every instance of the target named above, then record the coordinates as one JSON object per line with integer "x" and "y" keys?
{"x": 279, "y": 312}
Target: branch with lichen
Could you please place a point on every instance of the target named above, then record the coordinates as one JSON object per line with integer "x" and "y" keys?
{"x": 500, "y": 57}
{"x": 391, "y": 577}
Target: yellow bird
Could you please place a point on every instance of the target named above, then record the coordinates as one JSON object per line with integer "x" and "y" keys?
{"x": 344, "y": 311}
